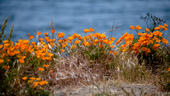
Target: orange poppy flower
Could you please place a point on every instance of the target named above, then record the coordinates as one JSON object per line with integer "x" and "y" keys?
{"x": 32, "y": 78}
{"x": 60, "y": 35}
{"x": 47, "y": 39}
{"x": 5, "y": 41}
{"x": 24, "y": 78}
{"x": 45, "y": 65}
{"x": 165, "y": 41}
{"x": 60, "y": 41}
{"x": 73, "y": 47}
{"x": 41, "y": 69}
{"x": 105, "y": 41}
{"x": 33, "y": 43}
{"x": 70, "y": 38}
{"x": 118, "y": 41}
{"x": 38, "y": 79}
{"x": 41, "y": 39}
{"x": 112, "y": 46}
{"x": 35, "y": 84}
{"x": 146, "y": 50}
{"x": 166, "y": 25}
{"x": 101, "y": 46}
{"x": 86, "y": 30}
{"x": 138, "y": 27}
{"x": 77, "y": 42}
{"x": 147, "y": 29}
{"x": 46, "y": 34}
{"x": 62, "y": 50}
{"x": 136, "y": 51}
{"x": 110, "y": 42}
{"x": 43, "y": 83}
{"x": 52, "y": 30}
{"x": 6, "y": 67}
{"x": 38, "y": 33}
{"x": 31, "y": 37}
{"x": 64, "y": 45}
{"x": 21, "y": 60}
{"x": 157, "y": 33}
{"x": 169, "y": 69}
{"x": 91, "y": 29}
{"x": 157, "y": 28}
{"x": 1, "y": 46}
{"x": 1, "y": 61}
{"x": 86, "y": 43}
{"x": 164, "y": 28}
{"x": 156, "y": 46}
{"x": 132, "y": 27}
{"x": 112, "y": 38}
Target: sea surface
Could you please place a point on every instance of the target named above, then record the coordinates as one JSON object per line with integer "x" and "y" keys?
{"x": 70, "y": 16}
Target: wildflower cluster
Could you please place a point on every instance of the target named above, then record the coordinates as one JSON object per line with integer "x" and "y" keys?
{"x": 21, "y": 50}
{"x": 146, "y": 41}
{"x": 23, "y": 59}
{"x": 35, "y": 82}
{"x": 92, "y": 40}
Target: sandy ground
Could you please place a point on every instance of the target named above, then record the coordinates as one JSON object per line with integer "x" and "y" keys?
{"x": 112, "y": 88}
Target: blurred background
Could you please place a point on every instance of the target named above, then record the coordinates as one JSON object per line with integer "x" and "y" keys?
{"x": 70, "y": 16}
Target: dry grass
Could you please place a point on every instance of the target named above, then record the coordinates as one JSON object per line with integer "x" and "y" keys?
{"x": 75, "y": 71}
{"x": 129, "y": 69}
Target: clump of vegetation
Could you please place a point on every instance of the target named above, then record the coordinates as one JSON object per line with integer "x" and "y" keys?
{"x": 32, "y": 68}
{"x": 151, "y": 49}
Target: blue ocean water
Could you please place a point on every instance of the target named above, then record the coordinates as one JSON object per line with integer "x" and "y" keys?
{"x": 69, "y": 16}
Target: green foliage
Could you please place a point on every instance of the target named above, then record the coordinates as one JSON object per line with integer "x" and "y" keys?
{"x": 102, "y": 94}
{"x": 33, "y": 92}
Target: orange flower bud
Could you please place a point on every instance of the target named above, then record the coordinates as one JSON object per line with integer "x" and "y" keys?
{"x": 52, "y": 30}
{"x": 132, "y": 27}
{"x": 24, "y": 78}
